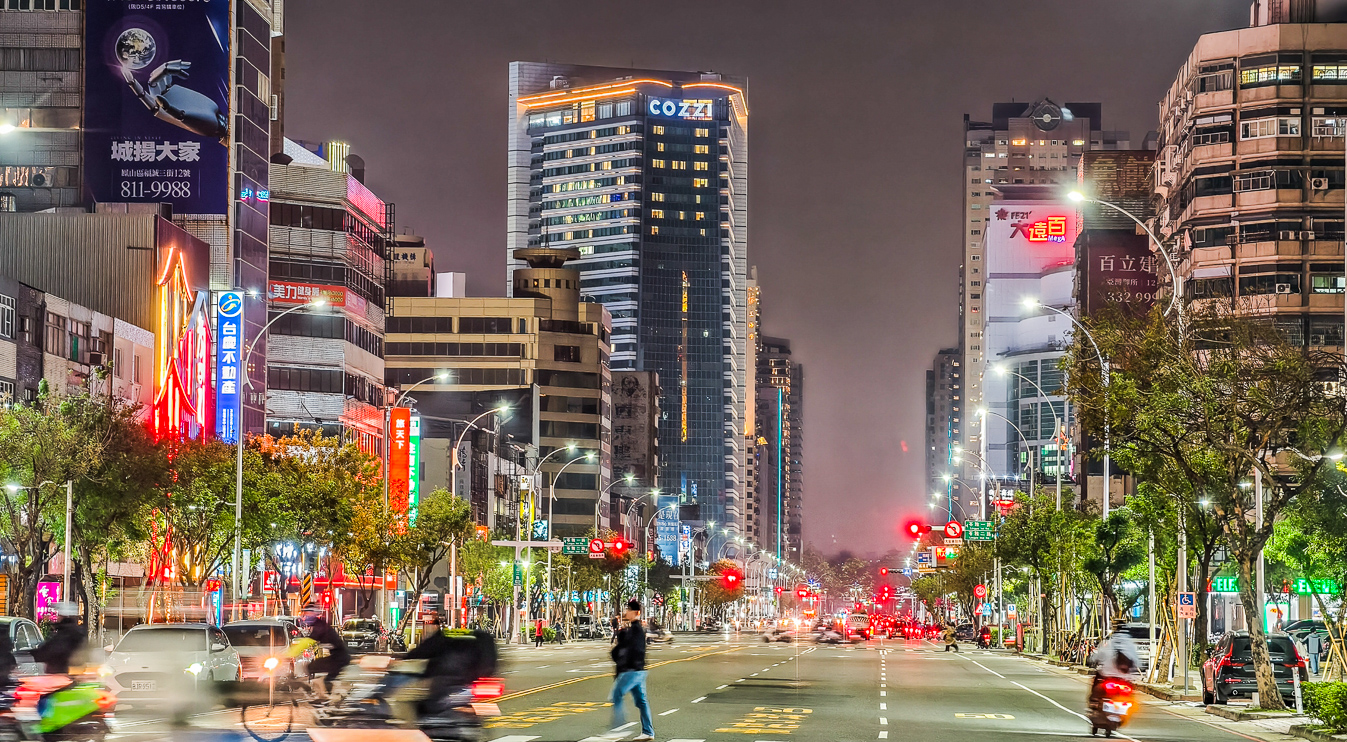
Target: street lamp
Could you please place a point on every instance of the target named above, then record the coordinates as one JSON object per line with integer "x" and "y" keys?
{"x": 453, "y": 455}
{"x": 985, "y": 472}
{"x": 1003, "y": 371}
{"x": 237, "y": 584}
{"x": 1032, "y": 303}
{"x": 551, "y": 498}
{"x": 69, "y": 511}
{"x": 1079, "y": 197}
{"x": 1028, "y": 464}
{"x": 629, "y": 480}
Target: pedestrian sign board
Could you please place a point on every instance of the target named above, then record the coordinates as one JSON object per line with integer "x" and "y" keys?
{"x": 575, "y": 545}
{"x": 1187, "y": 605}
{"x": 986, "y": 609}
{"x": 1010, "y": 610}
{"x": 979, "y": 530}
{"x": 907, "y": 571}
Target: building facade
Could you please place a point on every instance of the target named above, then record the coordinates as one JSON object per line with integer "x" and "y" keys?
{"x": 779, "y": 456}
{"x": 1249, "y": 174}
{"x": 944, "y": 424}
{"x": 644, "y": 172}
{"x": 542, "y": 356}
{"x": 329, "y": 238}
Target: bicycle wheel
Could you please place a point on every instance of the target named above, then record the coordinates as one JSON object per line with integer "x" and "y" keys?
{"x": 270, "y": 722}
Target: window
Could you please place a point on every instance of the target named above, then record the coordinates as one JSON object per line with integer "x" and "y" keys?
{"x": 701, "y": 166}
{"x": 135, "y": 368}
{"x": 702, "y": 132}
{"x": 566, "y": 353}
{"x": 55, "y": 339}
{"x": 1272, "y": 74}
{"x": 321, "y": 380}
{"x": 485, "y": 325}
{"x": 1329, "y": 74}
{"x": 701, "y": 215}
{"x": 6, "y": 316}
{"x": 1327, "y": 126}
{"x": 654, "y": 229}
{"x": 656, "y": 196}
{"x": 679, "y": 165}
{"x": 657, "y": 163}
{"x": 657, "y": 130}
{"x": 701, "y": 149}
{"x": 659, "y": 146}
{"x": 117, "y": 364}
{"x": 701, "y": 183}
{"x": 1327, "y": 283}
{"x": 657, "y": 213}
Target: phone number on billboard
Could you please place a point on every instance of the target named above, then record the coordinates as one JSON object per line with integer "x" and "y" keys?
{"x": 154, "y": 188}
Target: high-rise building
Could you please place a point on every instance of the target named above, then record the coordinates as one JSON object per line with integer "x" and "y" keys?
{"x": 329, "y": 238}
{"x": 1249, "y": 173}
{"x": 944, "y": 421}
{"x": 779, "y": 459}
{"x": 645, "y": 174}
{"x": 1028, "y": 152}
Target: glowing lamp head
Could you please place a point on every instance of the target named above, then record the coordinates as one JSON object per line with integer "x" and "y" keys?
{"x": 443, "y": 377}
{"x": 1076, "y": 196}
{"x": 6, "y": 128}
{"x": 318, "y": 303}
{"x": 271, "y": 663}
{"x": 1334, "y": 456}
{"x": 1029, "y": 302}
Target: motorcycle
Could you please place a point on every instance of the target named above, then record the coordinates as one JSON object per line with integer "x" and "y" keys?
{"x": 55, "y": 707}
{"x": 1111, "y": 707}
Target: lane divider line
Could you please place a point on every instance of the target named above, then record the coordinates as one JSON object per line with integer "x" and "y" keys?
{"x": 719, "y": 687}
{"x": 568, "y": 681}
{"x": 666, "y": 713}
{"x": 699, "y": 699}
{"x": 1069, "y": 711}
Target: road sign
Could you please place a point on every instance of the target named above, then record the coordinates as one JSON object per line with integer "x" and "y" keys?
{"x": 979, "y": 530}
{"x": 1010, "y": 610}
{"x": 986, "y": 609}
{"x": 575, "y": 545}
{"x": 953, "y": 541}
{"x": 980, "y": 591}
{"x": 925, "y": 559}
{"x": 596, "y": 546}
{"x": 1187, "y": 605}
{"x": 954, "y": 529}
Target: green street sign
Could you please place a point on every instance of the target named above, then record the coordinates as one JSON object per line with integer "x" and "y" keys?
{"x": 575, "y": 545}
{"x": 979, "y": 530}
{"x": 518, "y": 574}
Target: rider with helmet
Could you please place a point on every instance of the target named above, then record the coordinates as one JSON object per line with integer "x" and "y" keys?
{"x": 1115, "y": 657}
{"x": 338, "y": 656}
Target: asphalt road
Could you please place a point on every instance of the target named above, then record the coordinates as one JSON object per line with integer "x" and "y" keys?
{"x": 723, "y": 689}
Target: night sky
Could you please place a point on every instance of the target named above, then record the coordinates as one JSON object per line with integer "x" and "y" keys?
{"x": 855, "y": 154}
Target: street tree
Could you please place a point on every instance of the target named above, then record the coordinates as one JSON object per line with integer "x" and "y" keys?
{"x": 1240, "y": 412}
{"x": 443, "y": 522}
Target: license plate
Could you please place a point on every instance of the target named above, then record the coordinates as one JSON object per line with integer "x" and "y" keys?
{"x": 1117, "y": 707}
{"x": 486, "y": 709}
{"x": 143, "y": 685}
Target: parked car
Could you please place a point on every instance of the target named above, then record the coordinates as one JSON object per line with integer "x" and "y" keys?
{"x": 1141, "y": 636}
{"x": 259, "y": 639}
{"x": 365, "y": 635}
{"x": 169, "y": 661}
{"x": 1229, "y": 672}
{"x": 778, "y": 634}
{"x": 587, "y": 628}
{"x": 24, "y": 635}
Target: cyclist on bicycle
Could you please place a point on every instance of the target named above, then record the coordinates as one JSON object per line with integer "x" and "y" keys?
{"x": 338, "y": 656}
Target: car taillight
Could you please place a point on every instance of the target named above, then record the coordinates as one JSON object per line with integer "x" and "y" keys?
{"x": 1116, "y": 687}
{"x": 105, "y": 701}
{"x": 488, "y": 688}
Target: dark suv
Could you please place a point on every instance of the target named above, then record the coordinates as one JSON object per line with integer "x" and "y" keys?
{"x": 1229, "y": 672}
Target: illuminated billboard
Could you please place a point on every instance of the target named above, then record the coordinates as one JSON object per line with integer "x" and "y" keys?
{"x": 1029, "y": 236}
{"x": 228, "y": 364}
{"x": 399, "y": 458}
{"x": 182, "y": 393}
{"x": 681, "y": 108}
{"x": 156, "y": 103}
{"x": 414, "y": 468}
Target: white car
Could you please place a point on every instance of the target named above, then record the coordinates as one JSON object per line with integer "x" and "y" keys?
{"x": 259, "y": 639}
{"x": 169, "y": 661}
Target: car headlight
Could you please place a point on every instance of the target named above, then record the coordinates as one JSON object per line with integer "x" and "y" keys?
{"x": 105, "y": 671}
{"x": 194, "y": 668}
{"x": 271, "y": 663}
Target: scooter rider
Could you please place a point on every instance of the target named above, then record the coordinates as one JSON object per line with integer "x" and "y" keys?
{"x": 338, "y": 656}
{"x": 1115, "y": 657}
{"x": 65, "y": 643}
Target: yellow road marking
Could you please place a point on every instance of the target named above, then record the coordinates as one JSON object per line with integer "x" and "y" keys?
{"x": 569, "y": 681}
{"x": 768, "y": 720}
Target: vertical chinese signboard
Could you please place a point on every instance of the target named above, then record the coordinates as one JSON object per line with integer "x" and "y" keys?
{"x": 156, "y": 103}
{"x": 414, "y": 468}
{"x": 228, "y": 363}
{"x": 399, "y": 457}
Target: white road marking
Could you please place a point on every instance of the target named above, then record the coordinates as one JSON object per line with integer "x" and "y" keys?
{"x": 740, "y": 680}
{"x": 687, "y": 740}
{"x": 666, "y": 713}
{"x": 696, "y": 700}
{"x": 884, "y": 735}
{"x": 628, "y": 725}
{"x": 516, "y": 738}
{"x": 883, "y": 685}
{"x": 1067, "y": 710}
{"x": 883, "y": 693}
{"x": 883, "y": 721}
{"x": 722, "y": 687}
{"x": 753, "y": 674}
{"x": 883, "y": 707}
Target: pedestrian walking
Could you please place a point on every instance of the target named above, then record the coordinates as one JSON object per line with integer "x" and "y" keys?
{"x": 539, "y": 631}
{"x": 951, "y": 638}
{"x": 629, "y": 675}
{"x": 1314, "y": 644}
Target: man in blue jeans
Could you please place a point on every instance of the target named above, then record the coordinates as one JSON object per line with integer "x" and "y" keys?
{"x": 629, "y": 658}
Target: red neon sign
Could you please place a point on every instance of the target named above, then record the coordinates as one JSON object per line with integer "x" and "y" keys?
{"x": 399, "y": 458}
{"x": 183, "y": 397}
{"x": 1052, "y": 229}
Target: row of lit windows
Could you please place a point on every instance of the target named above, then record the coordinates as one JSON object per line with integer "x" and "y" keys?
{"x": 659, "y": 214}
{"x": 590, "y": 167}
{"x": 580, "y": 113}
{"x": 567, "y": 203}
{"x": 584, "y": 185}
{"x": 679, "y": 131}
{"x": 678, "y": 197}
{"x": 575, "y": 136}
{"x": 591, "y": 216}
{"x": 602, "y": 149}
{"x": 697, "y": 149}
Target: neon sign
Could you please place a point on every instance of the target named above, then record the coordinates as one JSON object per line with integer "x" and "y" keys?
{"x": 693, "y": 110}
{"x": 182, "y": 403}
{"x": 399, "y": 457}
{"x": 228, "y": 363}
{"x": 1052, "y": 229}
{"x": 413, "y": 468}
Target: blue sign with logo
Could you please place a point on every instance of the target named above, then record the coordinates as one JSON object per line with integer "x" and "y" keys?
{"x": 228, "y": 364}
{"x": 156, "y": 103}
{"x": 666, "y": 537}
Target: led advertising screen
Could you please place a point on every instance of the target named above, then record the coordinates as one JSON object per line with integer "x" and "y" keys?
{"x": 228, "y": 364}
{"x": 156, "y": 103}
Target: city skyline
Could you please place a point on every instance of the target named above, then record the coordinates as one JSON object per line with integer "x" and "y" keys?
{"x": 865, "y": 286}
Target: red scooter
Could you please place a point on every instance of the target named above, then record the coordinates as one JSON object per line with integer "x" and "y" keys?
{"x": 1111, "y": 707}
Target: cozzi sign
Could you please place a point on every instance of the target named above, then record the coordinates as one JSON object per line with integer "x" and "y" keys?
{"x": 685, "y": 108}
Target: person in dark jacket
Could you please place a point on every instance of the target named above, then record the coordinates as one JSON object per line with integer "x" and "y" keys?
{"x": 338, "y": 656}
{"x": 629, "y": 664}
{"x": 65, "y": 642}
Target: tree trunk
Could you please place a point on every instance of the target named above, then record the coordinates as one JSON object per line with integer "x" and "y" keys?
{"x": 1269, "y": 696}
{"x": 1336, "y": 655}
{"x": 1200, "y": 638}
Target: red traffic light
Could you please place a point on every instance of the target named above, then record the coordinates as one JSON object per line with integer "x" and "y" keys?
{"x": 915, "y": 529}
{"x": 883, "y": 570}
{"x": 802, "y": 592}
{"x": 619, "y": 546}
{"x": 779, "y": 589}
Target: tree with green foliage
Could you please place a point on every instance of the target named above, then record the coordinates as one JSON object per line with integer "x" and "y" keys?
{"x": 1231, "y": 405}
{"x": 1118, "y": 546}
{"x": 442, "y": 522}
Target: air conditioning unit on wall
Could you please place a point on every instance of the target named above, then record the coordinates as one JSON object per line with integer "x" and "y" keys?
{"x": 1283, "y": 288}
{"x": 1319, "y": 184}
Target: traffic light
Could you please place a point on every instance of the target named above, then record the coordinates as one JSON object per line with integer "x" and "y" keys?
{"x": 883, "y": 571}
{"x": 620, "y": 547}
{"x": 915, "y": 529}
{"x": 730, "y": 579}
{"x": 803, "y": 593}
{"x": 779, "y": 589}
